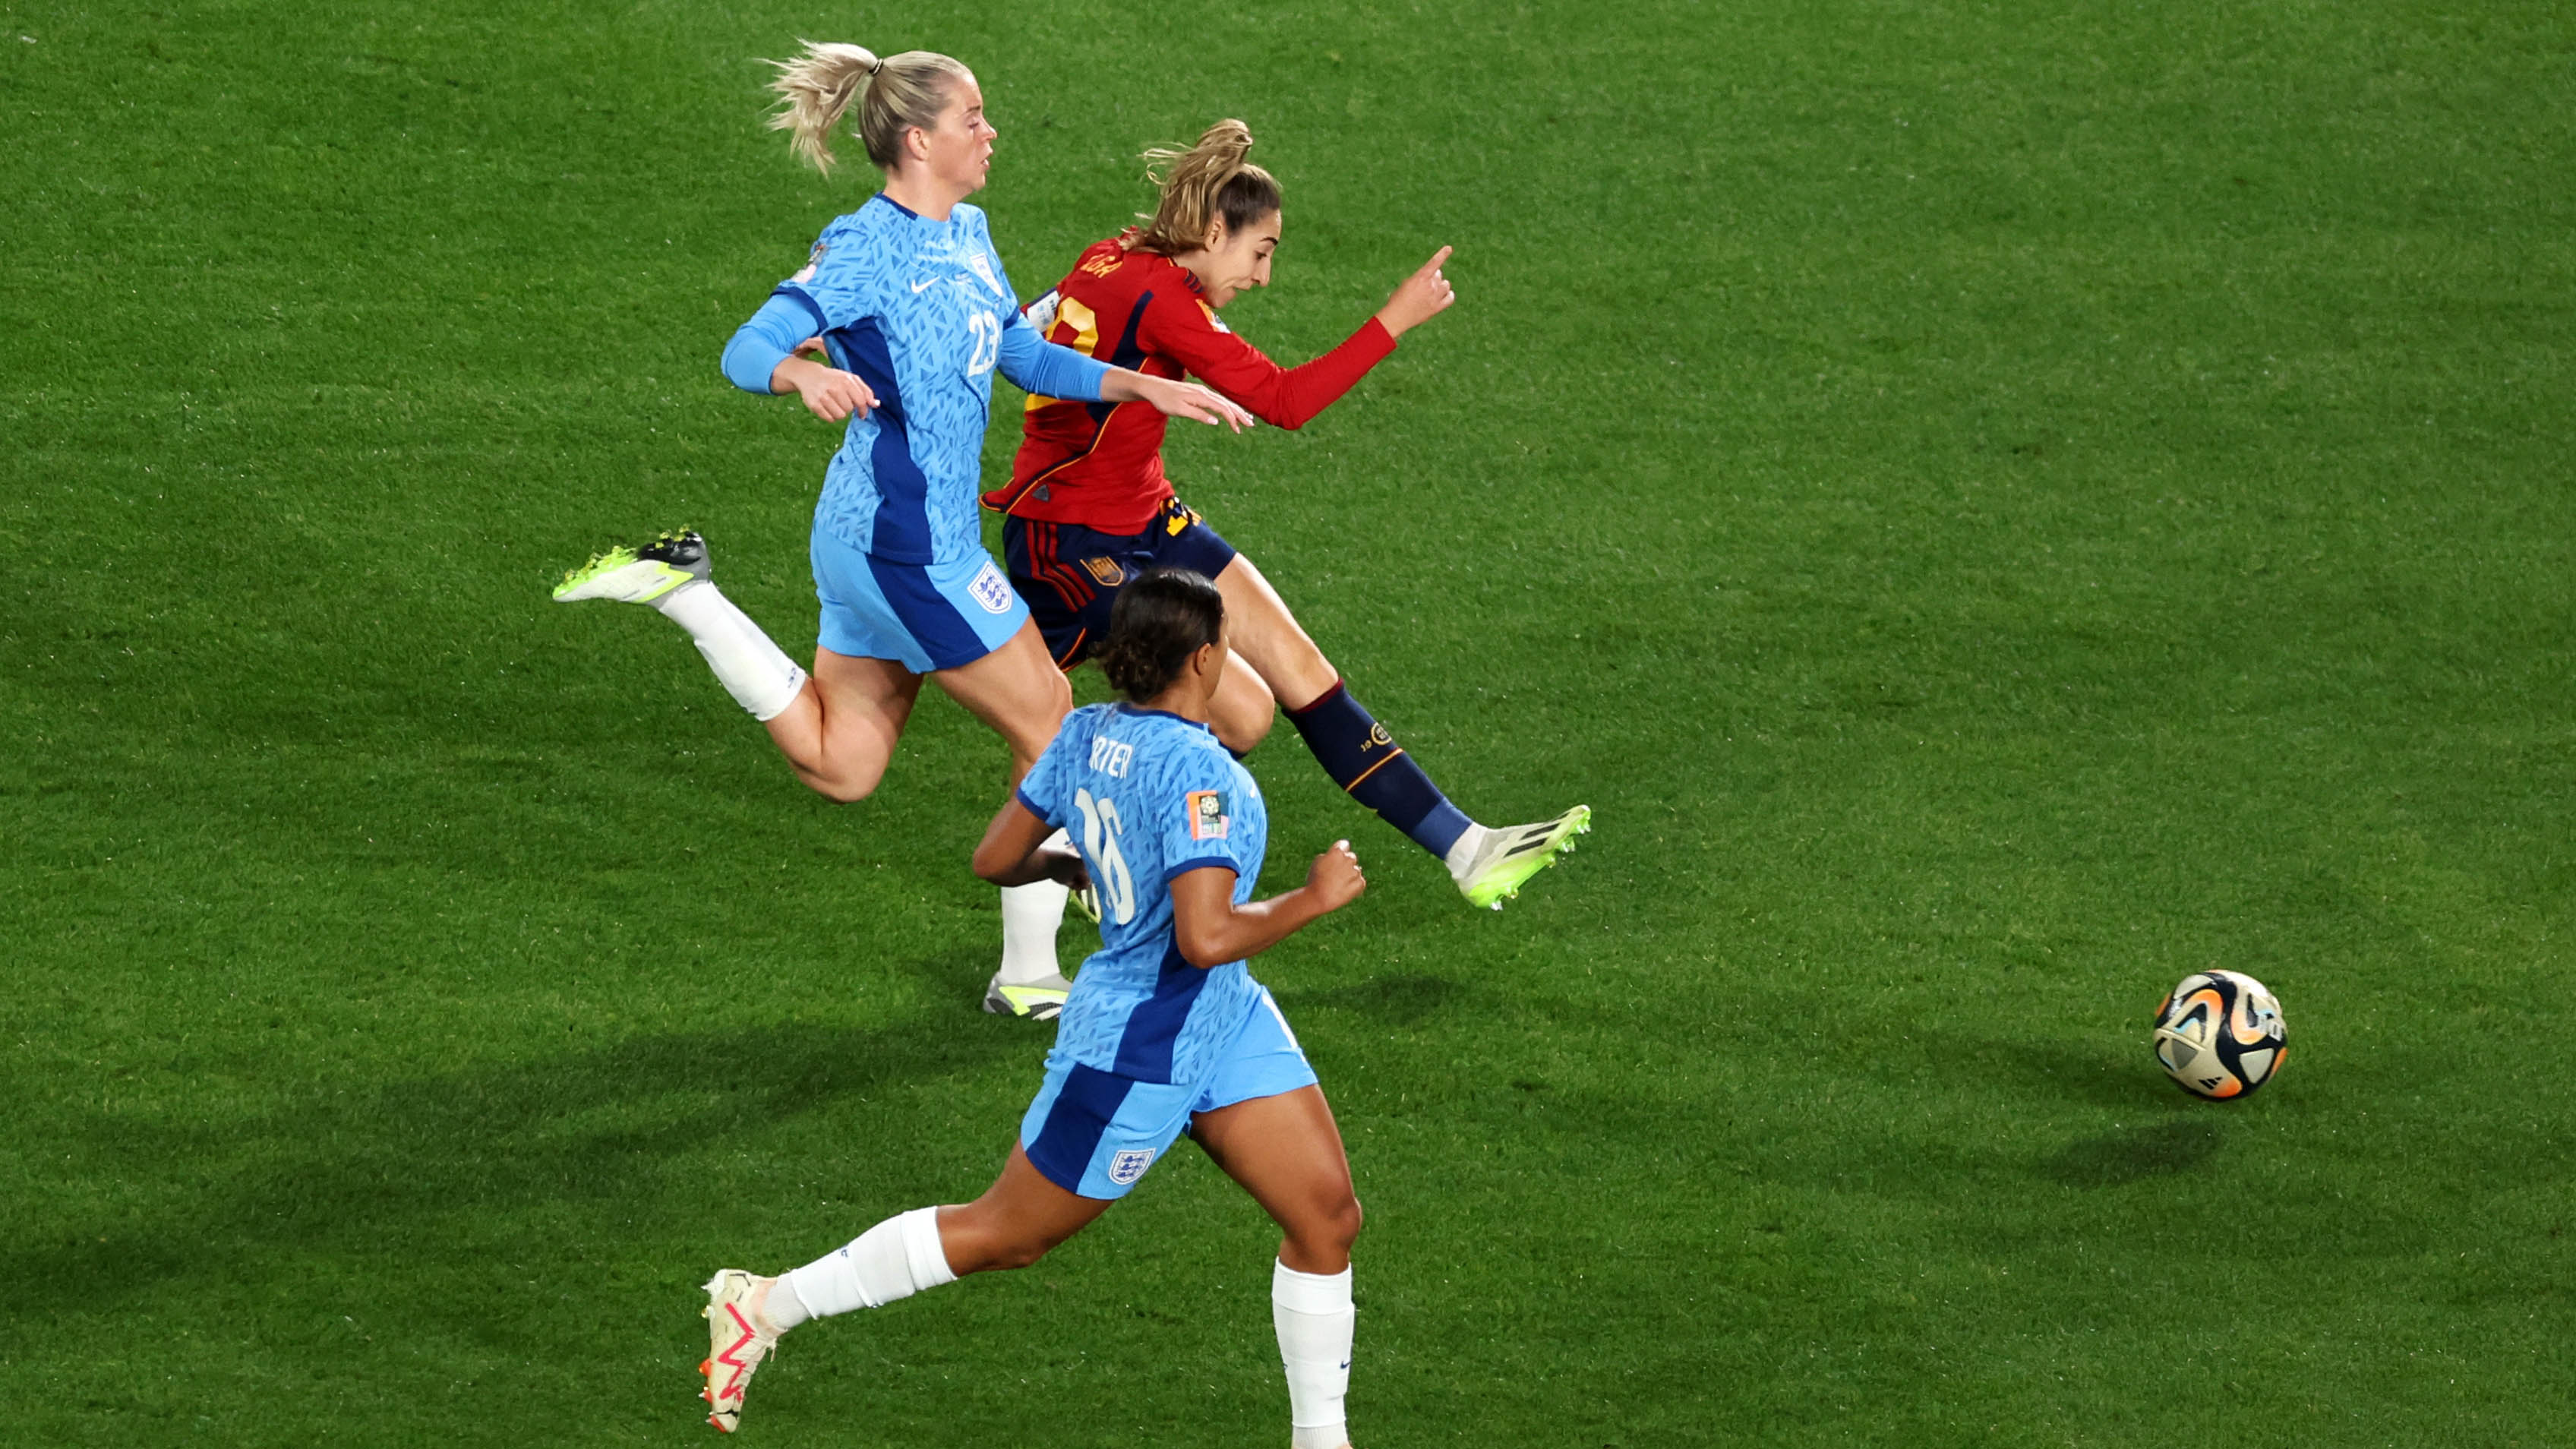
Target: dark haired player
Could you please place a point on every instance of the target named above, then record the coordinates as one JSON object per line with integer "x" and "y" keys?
{"x": 1088, "y": 506}
{"x": 1165, "y": 1031}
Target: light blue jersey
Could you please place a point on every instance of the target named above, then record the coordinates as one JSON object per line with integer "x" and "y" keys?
{"x": 1149, "y": 796}
{"x": 921, "y": 311}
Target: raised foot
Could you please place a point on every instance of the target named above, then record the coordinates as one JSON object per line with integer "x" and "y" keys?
{"x": 736, "y": 1344}
{"x": 639, "y": 575}
{"x": 1511, "y": 854}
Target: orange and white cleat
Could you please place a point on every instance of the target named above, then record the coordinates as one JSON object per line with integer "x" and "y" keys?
{"x": 737, "y": 1340}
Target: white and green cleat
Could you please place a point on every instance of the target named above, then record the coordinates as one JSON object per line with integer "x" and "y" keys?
{"x": 1504, "y": 860}
{"x": 639, "y": 575}
{"x": 1039, "y": 1000}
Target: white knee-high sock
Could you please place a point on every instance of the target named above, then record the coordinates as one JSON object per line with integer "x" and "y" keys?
{"x": 1030, "y": 915}
{"x": 895, "y": 1259}
{"x": 1314, "y": 1317}
{"x": 759, "y": 676}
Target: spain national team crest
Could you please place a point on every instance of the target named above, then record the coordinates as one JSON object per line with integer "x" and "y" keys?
{"x": 1129, "y": 1164}
{"x": 990, "y": 589}
{"x": 1108, "y": 571}
{"x": 1207, "y": 815}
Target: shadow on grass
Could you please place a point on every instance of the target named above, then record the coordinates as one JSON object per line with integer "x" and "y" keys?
{"x": 1395, "y": 1000}
{"x": 357, "y": 1170}
{"x": 2084, "y": 1071}
{"x": 2161, "y": 1149}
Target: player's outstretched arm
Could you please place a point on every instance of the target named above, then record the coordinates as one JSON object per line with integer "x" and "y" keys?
{"x": 1012, "y": 852}
{"x": 1210, "y": 929}
{"x": 1174, "y": 399}
{"x": 1418, "y": 298}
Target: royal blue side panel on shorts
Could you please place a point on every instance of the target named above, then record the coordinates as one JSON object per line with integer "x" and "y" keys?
{"x": 1094, "y": 1133}
{"x": 922, "y": 616}
{"x": 1075, "y": 1109}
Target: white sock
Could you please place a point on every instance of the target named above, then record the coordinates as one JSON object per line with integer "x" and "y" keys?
{"x": 1030, "y": 915}
{"x": 759, "y": 676}
{"x": 895, "y": 1259}
{"x": 780, "y": 1308}
{"x": 1462, "y": 851}
{"x": 1314, "y": 1317}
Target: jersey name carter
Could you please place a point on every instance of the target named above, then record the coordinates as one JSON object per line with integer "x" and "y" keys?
{"x": 1148, "y": 797}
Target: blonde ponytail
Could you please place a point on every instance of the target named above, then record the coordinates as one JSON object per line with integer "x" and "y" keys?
{"x": 893, "y": 95}
{"x": 1209, "y": 180}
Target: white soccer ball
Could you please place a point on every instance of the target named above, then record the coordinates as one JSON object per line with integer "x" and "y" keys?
{"x": 2220, "y": 1035}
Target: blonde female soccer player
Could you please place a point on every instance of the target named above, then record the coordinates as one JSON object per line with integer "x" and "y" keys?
{"x": 1165, "y": 1030}
{"x": 1088, "y": 506}
{"x": 913, "y": 309}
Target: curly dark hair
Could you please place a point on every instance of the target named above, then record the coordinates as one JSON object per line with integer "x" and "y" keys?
{"x": 1162, "y": 617}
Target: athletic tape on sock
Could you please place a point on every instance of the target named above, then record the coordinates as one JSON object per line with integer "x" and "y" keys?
{"x": 757, "y": 673}
{"x": 879, "y": 1266}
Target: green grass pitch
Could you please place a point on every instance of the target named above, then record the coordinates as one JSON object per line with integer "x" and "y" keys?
{"x": 1998, "y": 505}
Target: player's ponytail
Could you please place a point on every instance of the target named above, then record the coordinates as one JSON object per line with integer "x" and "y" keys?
{"x": 1210, "y": 180}
{"x": 892, "y": 95}
{"x": 1162, "y": 617}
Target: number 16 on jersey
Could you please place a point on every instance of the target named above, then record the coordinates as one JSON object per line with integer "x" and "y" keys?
{"x": 1100, "y": 830}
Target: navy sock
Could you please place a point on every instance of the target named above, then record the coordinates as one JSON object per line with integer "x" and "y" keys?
{"x": 1364, "y": 759}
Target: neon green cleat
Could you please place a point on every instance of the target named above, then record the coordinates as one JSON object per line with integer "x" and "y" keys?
{"x": 1509, "y": 855}
{"x": 639, "y": 575}
{"x": 1039, "y": 1000}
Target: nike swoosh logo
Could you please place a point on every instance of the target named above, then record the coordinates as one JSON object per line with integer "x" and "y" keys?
{"x": 920, "y": 287}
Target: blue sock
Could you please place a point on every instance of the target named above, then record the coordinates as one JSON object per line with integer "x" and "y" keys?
{"x": 1365, "y": 760}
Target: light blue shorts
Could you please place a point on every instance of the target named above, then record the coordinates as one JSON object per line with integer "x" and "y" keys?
{"x": 1094, "y": 1133}
{"x": 924, "y": 617}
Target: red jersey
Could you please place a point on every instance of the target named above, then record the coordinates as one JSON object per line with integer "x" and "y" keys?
{"x": 1100, "y": 465}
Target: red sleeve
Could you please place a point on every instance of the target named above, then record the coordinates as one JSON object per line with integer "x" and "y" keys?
{"x": 1183, "y": 330}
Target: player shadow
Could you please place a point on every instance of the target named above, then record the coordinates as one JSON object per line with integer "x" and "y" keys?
{"x": 350, "y": 1171}
{"x": 1395, "y": 1000}
{"x": 2132, "y": 1154}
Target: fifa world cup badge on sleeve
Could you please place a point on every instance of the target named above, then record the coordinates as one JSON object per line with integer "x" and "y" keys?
{"x": 1207, "y": 815}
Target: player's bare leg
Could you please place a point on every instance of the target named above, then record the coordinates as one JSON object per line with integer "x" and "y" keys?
{"x": 1021, "y": 1218}
{"x": 1287, "y": 1152}
{"x": 1268, "y": 637}
{"x": 837, "y": 727}
{"x": 1018, "y": 690}
{"x": 1018, "y": 1220}
{"x": 1489, "y": 865}
{"x": 1243, "y": 709}
{"x": 840, "y": 733}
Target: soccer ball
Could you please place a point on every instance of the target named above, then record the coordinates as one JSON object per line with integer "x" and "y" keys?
{"x": 2219, "y": 1034}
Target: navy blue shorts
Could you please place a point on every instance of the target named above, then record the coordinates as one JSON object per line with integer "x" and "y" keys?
{"x": 1070, "y": 574}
